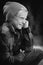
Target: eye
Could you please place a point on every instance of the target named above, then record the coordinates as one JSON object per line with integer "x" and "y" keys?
{"x": 22, "y": 17}
{"x": 20, "y": 24}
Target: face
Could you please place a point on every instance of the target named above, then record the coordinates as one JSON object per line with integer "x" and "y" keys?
{"x": 20, "y": 19}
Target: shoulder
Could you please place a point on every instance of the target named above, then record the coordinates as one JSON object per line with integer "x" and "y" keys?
{"x": 4, "y": 28}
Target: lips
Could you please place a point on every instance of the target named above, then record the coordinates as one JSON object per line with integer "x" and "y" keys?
{"x": 20, "y": 26}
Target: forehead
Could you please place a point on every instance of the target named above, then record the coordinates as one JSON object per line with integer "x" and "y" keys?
{"x": 22, "y": 13}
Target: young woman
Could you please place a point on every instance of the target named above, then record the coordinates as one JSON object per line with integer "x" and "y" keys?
{"x": 15, "y": 30}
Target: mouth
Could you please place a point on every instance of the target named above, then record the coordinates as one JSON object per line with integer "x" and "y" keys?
{"x": 20, "y": 26}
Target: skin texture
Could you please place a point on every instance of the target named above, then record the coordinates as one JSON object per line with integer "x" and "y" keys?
{"x": 20, "y": 19}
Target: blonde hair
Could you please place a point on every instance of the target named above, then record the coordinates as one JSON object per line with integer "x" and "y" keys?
{"x": 12, "y": 8}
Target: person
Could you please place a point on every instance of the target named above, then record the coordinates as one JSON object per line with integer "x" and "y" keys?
{"x": 15, "y": 30}
{"x": 17, "y": 14}
{"x": 14, "y": 35}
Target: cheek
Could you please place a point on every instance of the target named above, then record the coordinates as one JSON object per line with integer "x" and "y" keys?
{"x": 15, "y": 22}
{"x": 19, "y": 20}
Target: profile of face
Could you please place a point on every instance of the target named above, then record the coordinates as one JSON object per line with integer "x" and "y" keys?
{"x": 20, "y": 19}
